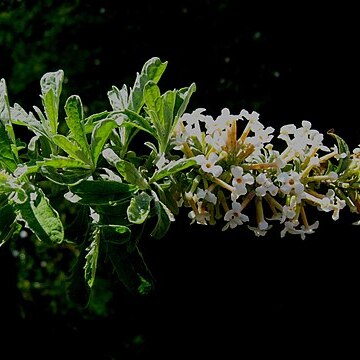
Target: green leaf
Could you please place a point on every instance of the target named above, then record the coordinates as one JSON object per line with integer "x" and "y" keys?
{"x": 172, "y": 168}
{"x": 342, "y": 148}
{"x": 10, "y": 185}
{"x": 62, "y": 162}
{"x": 20, "y": 117}
{"x": 72, "y": 148}
{"x": 138, "y": 121}
{"x": 99, "y": 137}
{"x": 182, "y": 100}
{"x": 131, "y": 269}
{"x": 131, "y": 174}
{"x": 78, "y": 290}
{"x": 166, "y": 196}
{"x": 139, "y": 208}
{"x": 115, "y": 234}
{"x": 41, "y": 218}
{"x": 7, "y": 222}
{"x": 110, "y": 156}
{"x": 152, "y": 70}
{"x": 51, "y": 86}
{"x": 7, "y": 157}
{"x": 75, "y": 121}
{"x": 70, "y": 177}
{"x": 8, "y": 153}
{"x": 92, "y": 257}
{"x": 100, "y": 192}
{"x": 102, "y": 187}
{"x": 145, "y": 286}
{"x": 92, "y": 120}
{"x": 5, "y": 113}
{"x": 151, "y": 94}
{"x": 164, "y": 219}
{"x": 118, "y": 98}
{"x": 167, "y": 116}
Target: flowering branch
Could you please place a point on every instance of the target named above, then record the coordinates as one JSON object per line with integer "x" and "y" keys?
{"x": 88, "y": 175}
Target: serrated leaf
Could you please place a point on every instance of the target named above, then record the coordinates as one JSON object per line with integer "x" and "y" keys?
{"x": 41, "y": 218}
{"x": 152, "y": 70}
{"x": 99, "y": 137}
{"x": 139, "y": 208}
{"x": 92, "y": 257}
{"x": 172, "y": 168}
{"x": 131, "y": 174}
{"x": 75, "y": 122}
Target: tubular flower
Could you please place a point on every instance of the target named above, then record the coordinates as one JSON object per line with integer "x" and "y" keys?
{"x": 236, "y": 166}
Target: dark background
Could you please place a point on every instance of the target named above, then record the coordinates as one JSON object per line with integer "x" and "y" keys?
{"x": 226, "y": 292}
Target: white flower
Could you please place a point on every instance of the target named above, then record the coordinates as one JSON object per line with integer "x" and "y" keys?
{"x": 305, "y": 230}
{"x": 253, "y": 119}
{"x": 201, "y": 216}
{"x": 225, "y": 119}
{"x": 338, "y": 155}
{"x": 332, "y": 203}
{"x": 208, "y": 165}
{"x": 261, "y": 137}
{"x": 206, "y": 195}
{"x": 194, "y": 117}
{"x": 266, "y": 185}
{"x": 291, "y": 183}
{"x": 234, "y": 217}
{"x": 289, "y": 227}
{"x": 286, "y": 131}
{"x": 217, "y": 140}
{"x": 261, "y": 229}
{"x": 239, "y": 181}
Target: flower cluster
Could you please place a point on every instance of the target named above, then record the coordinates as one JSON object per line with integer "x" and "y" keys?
{"x": 238, "y": 171}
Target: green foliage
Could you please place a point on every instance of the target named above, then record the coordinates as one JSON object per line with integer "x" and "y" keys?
{"x": 79, "y": 174}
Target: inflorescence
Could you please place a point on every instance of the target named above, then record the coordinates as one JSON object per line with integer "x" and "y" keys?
{"x": 236, "y": 168}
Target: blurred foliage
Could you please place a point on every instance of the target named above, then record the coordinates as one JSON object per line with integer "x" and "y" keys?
{"x": 37, "y": 37}
{"x": 42, "y": 278}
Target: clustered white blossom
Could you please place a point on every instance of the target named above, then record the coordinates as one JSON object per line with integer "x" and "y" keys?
{"x": 239, "y": 174}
